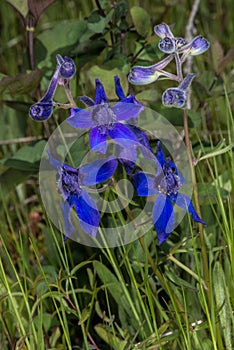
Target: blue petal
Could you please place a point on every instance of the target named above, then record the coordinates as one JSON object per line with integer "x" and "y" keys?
{"x": 66, "y": 209}
{"x": 97, "y": 141}
{"x": 118, "y": 88}
{"x": 54, "y": 162}
{"x": 88, "y": 213}
{"x": 127, "y": 157}
{"x": 185, "y": 203}
{"x": 100, "y": 93}
{"x": 126, "y": 110}
{"x": 177, "y": 172}
{"x": 98, "y": 171}
{"x": 163, "y": 30}
{"x": 163, "y": 217}
{"x": 123, "y": 135}
{"x": 89, "y": 102}
{"x": 160, "y": 155}
{"x": 144, "y": 184}
{"x": 81, "y": 119}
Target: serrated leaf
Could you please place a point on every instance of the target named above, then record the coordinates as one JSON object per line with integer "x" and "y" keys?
{"x": 38, "y": 7}
{"x": 20, "y": 84}
{"x": 141, "y": 20}
{"x": 21, "y": 6}
{"x": 107, "y": 79}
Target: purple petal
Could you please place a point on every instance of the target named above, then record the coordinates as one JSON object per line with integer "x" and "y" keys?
{"x": 167, "y": 45}
{"x": 125, "y": 111}
{"x": 89, "y": 102}
{"x": 98, "y": 171}
{"x": 144, "y": 184}
{"x": 88, "y": 213}
{"x": 81, "y": 119}
{"x": 123, "y": 135}
{"x": 185, "y": 203}
{"x": 118, "y": 88}
{"x": 185, "y": 84}
{"x": 97, "y": 140}
{"x": 66, "y": 209}
{"x": 174, "y": 97}
{"x": 100, "y": 93}
{"x": 163, "y": 217}
{"x": 52, "y": 87}
{"x": 163, "y": 30}
{"x": 127, "y": 157}
{"x": 54, "y": 162}
{"x": 160, "y": 155}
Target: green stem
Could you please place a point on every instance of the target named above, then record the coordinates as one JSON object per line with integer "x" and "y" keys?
{"x": 197, "y": 205}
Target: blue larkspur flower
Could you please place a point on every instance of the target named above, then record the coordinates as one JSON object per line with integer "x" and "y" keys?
{"x": 176, "y": 96}
{"x": 105, "y": 121}
{"x": 43, "y": 109}
{"x": 71, "y": 183}
{"x": 168, "y": 43}
{"x": 67, "y": 67}
{"x": 143, "y": 75}
{"x": 166, "y": 184}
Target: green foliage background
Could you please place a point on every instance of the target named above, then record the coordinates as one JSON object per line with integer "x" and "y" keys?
{"x": 56, "y": 296}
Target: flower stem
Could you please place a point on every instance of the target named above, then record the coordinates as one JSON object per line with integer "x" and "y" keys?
{"x": 68, "y": 93}
{"x": 197, "y": 205}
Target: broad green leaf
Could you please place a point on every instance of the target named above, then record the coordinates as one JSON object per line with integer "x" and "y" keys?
{"x": 23, "y": 83}
{"x": 63, "y": 34}
{"x": 20, "y": 5}
{"x": 141, "y": 20}
{"x": 148, "y": 95}
{"x": 107, "y": 79}
{"x": 109, "y": 280}
{"x": 97, "y": 23}
{"x": 28, "y": 157}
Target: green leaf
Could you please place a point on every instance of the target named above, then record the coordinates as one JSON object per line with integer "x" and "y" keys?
{"x": 21, "y": 6}
{"x": 141, "y": 20}
{"x": 109, "y": 280}
{"x": 111, "y": 339}
{"x": 63, "y": 34}
{"x": 207, "y": 193}
{"x": 97, "y": 23}
{"x": 23, "y": 83}
{"x": 27, "y": 158}
{"x": 107, "y": 79}
{"x": 223, "y": 302}
{"x": 10, "y": 179}
{"x": 150, "y": 95}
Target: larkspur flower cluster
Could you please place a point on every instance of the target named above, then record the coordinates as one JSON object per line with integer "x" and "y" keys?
{"x": 176, "y": 48}
{"x": 118, "y": 123}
